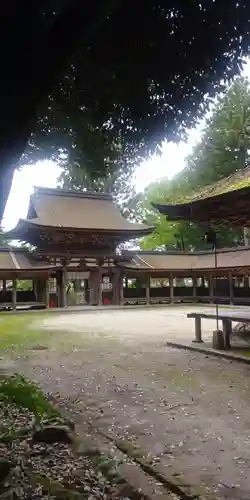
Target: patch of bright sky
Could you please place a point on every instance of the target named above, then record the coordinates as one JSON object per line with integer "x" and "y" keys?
{"x": 45, "y": 174}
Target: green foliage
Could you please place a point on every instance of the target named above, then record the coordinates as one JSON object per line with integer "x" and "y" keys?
{"x": 222, "y": 150}
{"x": 115, "y": 180}
{"x": 104, "y": 114}
{"x": 18, "y": 390}
{"x": 3, "y": 241}
{"x": 24, "y": 284}
{"x": 90, "y": 85}
{"x": 225, "y": 142}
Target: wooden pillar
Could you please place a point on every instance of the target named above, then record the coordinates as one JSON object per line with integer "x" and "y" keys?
{"x": 42, "y": 287}
{"x": 63, "y": 287}
{"x": 211, "y": 286}
{"x": 171, "y": 288}
{"x": 46, "y": 293}
{"x": 14, "y": 294}
{"x": 92, "y": 288}
{"x": 99, "y": 284}
{"x": 231, "y": 288}
{"x": 148, "y": 289}
{"x": 39, "y": 287}
{"x": 121, "y": 290}
{"x": 40, "y": 295}
{"x": 95, "y": 287}
{"x": 246, "y": 282}
{"x": 4, "y": 285}
{"x": 194, "y": 279}
{"x": 116, "y": 287}
{"x": 100, "y": 294}
{"x": 34, "y": 285}
{"x": 60, "y": 287}
{"x": 58, "y": 282}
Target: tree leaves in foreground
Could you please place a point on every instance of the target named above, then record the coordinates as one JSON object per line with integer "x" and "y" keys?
{"x": 222, "y": 150}
{"x": 225, "y": 142}
{"x": 117, "y": 182}
{"x": 125, "y": 90}
{"x": 125, "y": 73}
{"x": 3, "y": 241}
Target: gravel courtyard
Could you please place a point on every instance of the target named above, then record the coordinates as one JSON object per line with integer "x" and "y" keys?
{"x": 187, "y": 411}
{"x": 135, "y": 326}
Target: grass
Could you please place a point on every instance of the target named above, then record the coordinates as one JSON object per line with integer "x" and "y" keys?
{"x": 16, "y": 331}
{"x": 19, "y": 391}
{"x": 242, "y": 352}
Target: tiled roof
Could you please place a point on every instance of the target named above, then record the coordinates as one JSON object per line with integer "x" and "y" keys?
{"x": 73, "y": 209}
{"x": 20, "y": 260}
{"x": 178, "y": 261}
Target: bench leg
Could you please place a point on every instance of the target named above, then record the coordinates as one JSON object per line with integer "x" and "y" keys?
{"x": 198, "y": 339}
{"x": 227, "y": 330}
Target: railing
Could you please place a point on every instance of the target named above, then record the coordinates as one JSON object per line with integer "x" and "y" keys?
{"x": 221, "y": 295}
{"x": 21, "y": 296}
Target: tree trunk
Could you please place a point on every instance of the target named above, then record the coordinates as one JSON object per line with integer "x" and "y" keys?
{"x": 246, "y": 236}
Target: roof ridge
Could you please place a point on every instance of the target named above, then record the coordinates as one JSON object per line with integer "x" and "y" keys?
{"x": 74, "y": 193}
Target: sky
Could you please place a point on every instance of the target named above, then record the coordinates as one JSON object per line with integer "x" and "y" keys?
{"x": 45, "y": 174}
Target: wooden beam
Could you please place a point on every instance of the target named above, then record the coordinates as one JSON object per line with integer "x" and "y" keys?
{"x": 194, "y": 278}
{"x": 148, "y": 289}
{"x": 231, "y": 288}
{"x": 100, "y": 301}
{"x": 46, "y": 293}
{"x": 121, "y": 290}
{"x": 211, "y": 285}
{"x": 14, "y": 294}
{"x": 171, "y": 288}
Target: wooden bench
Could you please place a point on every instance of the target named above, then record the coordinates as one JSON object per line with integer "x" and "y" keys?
{"x": 227, "y": 317}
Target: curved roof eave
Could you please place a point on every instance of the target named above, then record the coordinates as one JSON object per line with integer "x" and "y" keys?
{"x": 143, "y": 230}
{"x": 186, "y": 206}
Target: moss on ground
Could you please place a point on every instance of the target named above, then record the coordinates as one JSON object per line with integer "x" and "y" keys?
{"x": 18, "y": 331}
{"x": 245, "y": 352}
{"x": 133, "y": 449}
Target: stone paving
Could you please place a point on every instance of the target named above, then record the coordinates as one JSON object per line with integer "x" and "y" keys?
{"x": 188, "y": 411}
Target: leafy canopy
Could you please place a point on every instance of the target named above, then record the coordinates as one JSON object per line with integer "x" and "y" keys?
{"x": 222, "y": 150}
{"x": 111, "y": 77}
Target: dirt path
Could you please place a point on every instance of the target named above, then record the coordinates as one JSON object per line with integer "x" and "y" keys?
{"x": 188, "y": 411}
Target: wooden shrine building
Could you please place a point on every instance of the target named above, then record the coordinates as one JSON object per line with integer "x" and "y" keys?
{"x": 226, "y": 202}
{"x": 77, "y": 233}
{"x": 75, "y": 239}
